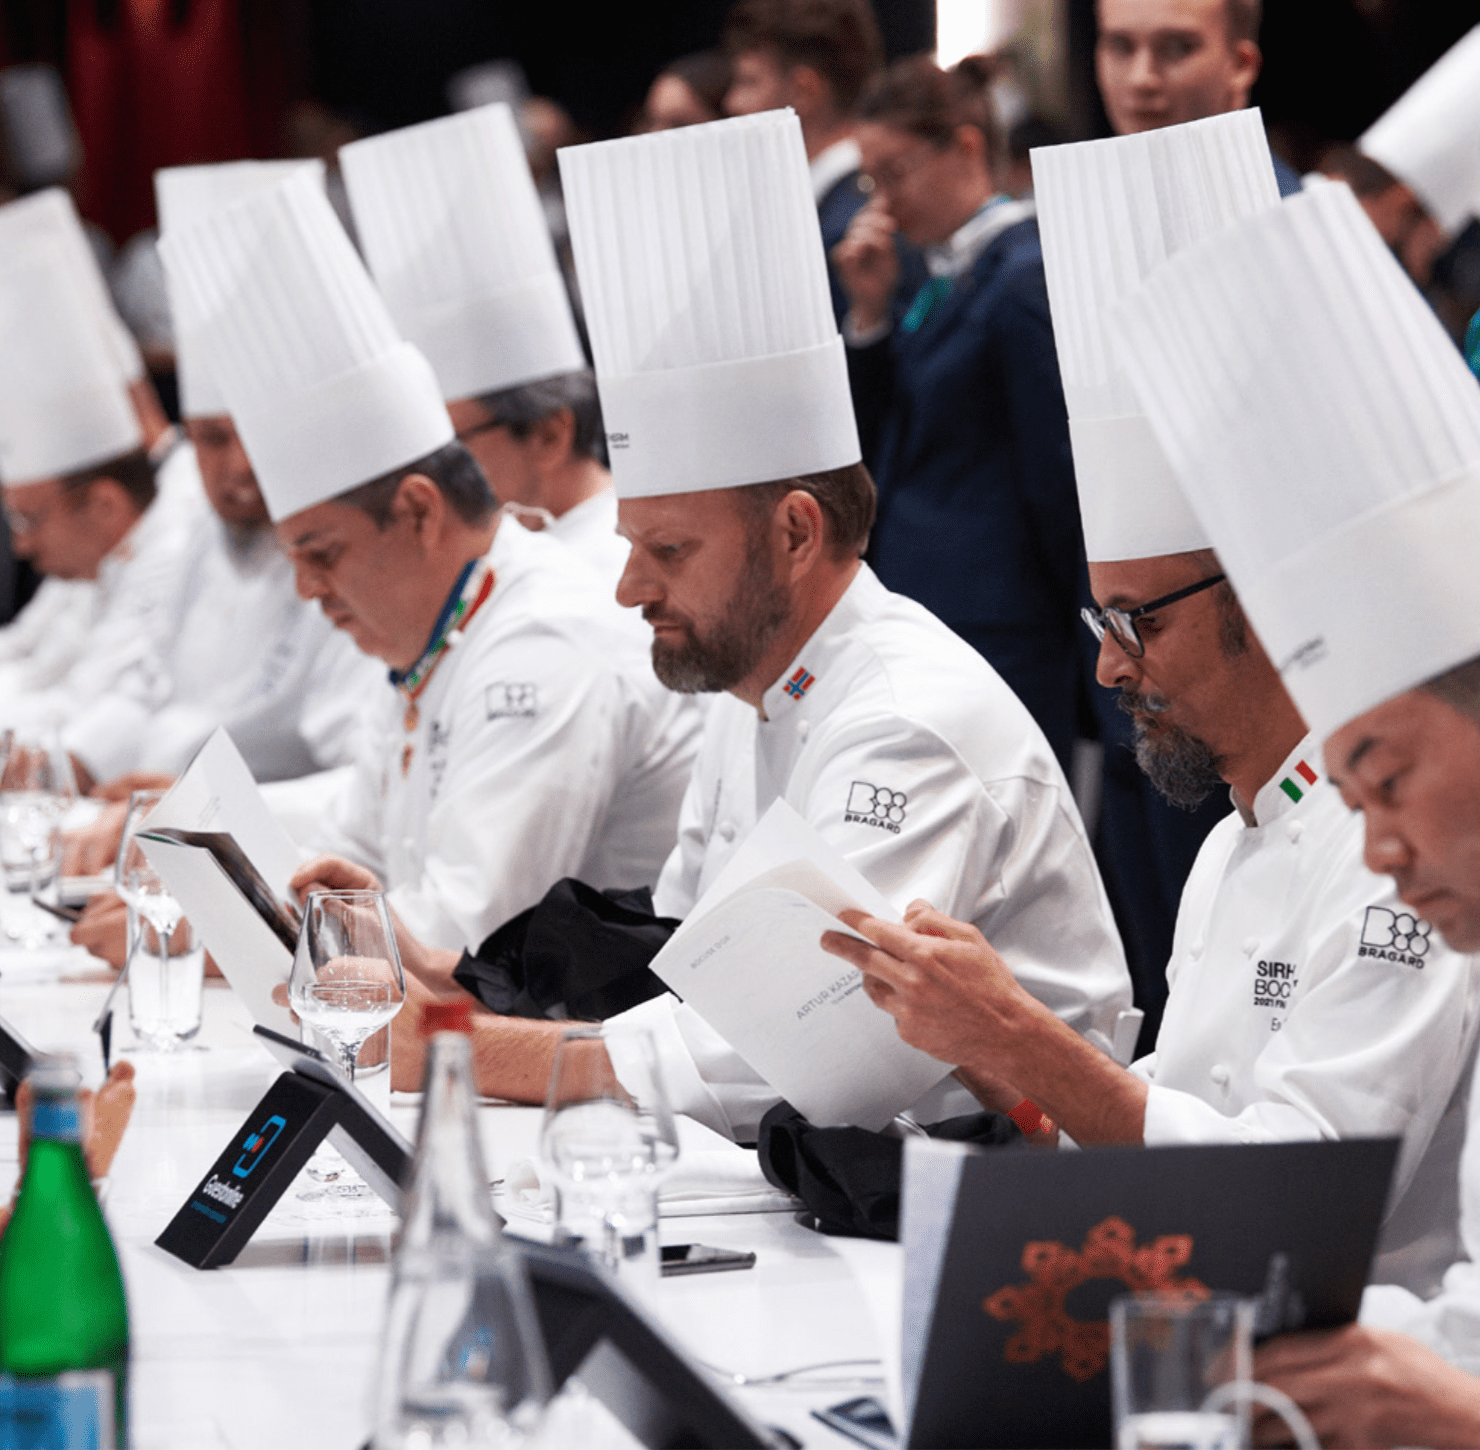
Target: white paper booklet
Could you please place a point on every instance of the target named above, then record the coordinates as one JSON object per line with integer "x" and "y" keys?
{"x": 216, "y": 794}
{"x": 749, "y": 961}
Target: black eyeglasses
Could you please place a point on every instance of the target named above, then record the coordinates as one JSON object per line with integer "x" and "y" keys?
{"x": 1122, "y": 622}
{"x": 477, "y": 428}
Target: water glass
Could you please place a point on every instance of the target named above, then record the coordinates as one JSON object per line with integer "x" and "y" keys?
{"x": 1169, "y": 1359}
{"x": 608, "y": 1148}
{"x": 36, "y": 790}
{"x": 346, "y": 985}
{"x": 166, "y": 976}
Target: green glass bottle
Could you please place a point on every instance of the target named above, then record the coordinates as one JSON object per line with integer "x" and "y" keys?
{"x": 63, "y": 1318}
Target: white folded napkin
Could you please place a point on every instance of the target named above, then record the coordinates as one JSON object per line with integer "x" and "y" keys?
{"x": 707, "y": 1180}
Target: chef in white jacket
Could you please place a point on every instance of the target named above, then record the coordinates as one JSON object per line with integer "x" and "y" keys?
{"x": 247, "y": 652}
{"x": 522, "y": 736}
{"x": 889, "y": 735}
{"x": 1357, "y": 432}
{"x": 1306, "y": 1000}
{"x": 455, "y": 236}
{"x": 84, "y": 505}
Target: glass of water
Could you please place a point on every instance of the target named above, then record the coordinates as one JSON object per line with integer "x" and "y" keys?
{"x": 1170, "y": 1359}
{"x": 608, "y": 1148}
{"x": 37, "y": 788}
{"x": 166, "y": 963}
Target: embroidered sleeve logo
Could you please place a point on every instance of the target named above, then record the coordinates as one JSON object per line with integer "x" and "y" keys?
{"x": 1394, "y": 936}
{"x": 875, "y": 805}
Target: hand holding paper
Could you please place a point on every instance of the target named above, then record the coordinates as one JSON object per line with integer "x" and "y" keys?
{"x": 750, "y": 961}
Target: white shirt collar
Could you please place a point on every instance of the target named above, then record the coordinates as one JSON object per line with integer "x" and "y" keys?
{"x": 954, "y": 255}
{"x": 790, "y": 697}
{"x": 1291, "y": 784}
{"x": 830, "y": 165}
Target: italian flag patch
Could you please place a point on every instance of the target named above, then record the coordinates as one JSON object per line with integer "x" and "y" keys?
{"x": 1292, "y": 787}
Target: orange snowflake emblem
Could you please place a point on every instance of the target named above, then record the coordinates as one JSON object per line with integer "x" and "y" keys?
{"x": 1109, "y": 1252}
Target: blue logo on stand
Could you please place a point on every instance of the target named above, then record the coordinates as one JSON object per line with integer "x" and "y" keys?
{"x": 256, "y": 1144}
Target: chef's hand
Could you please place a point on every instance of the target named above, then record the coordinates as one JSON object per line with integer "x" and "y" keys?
{"x": 937, "y": 977}
{"x": 332, "y": 873}
{"x": 105, "y": 1115}
{"x": 121, "y": 787}
{"x": 1364, "y": 1387}
{"x": 103, "y": 928}
{"x": 432, "y": 965}
{"x": 867, "y": 264}
{"x": 93, "y": 849}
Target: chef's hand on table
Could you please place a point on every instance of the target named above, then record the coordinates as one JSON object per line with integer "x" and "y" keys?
{"x": 103, "y": 928}
{"x": 93, "y": 849}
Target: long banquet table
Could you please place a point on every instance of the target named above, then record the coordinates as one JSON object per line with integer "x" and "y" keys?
{"x": 278, "y": 1350}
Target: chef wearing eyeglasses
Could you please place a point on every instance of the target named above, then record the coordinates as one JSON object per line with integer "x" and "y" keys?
{"x": 1305, "y": 1000}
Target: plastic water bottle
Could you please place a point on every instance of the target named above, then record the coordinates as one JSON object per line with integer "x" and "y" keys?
{"x": 462, "y": 1360}
{"x": 63, "y": 1316}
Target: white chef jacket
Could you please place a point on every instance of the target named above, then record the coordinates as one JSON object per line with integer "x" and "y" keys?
{"x": 906, "y": 751}
{"x": 1306, "y": 1002}
{"x": 249, "y": 654}
{"x": 111, "y": 674}
{"x": 1448, "y": 1323}
{"x": 589, "y": 531}
{"x": 544, "y": 747}
{"x": 41, "y": 641}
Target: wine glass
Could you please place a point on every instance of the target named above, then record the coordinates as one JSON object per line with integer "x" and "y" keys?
{"x": 608, "y": 1147}
{"x": 346, "y": 981}
{"x": 37, "y": 789}
{"x": 346, "y": 984}
{"x": 165, "y": 965}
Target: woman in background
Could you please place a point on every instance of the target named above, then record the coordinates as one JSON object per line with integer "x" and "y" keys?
{"x": 687, "y": 91}
{"x": 978, "y": 517}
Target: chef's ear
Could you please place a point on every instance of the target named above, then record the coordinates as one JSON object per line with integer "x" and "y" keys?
{"x": 420, "y": 501}
{"x": 806, "y": 531}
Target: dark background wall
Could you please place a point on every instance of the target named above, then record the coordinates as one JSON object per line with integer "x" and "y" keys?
{"x": 166, "y": 82}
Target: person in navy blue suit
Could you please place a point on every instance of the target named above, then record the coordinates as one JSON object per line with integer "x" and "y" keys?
{"x": 978, "y": 518}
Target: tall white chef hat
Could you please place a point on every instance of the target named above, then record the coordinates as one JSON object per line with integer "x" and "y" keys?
{"x": 705, "y": 287}
{"x": 64, "y": 403}
{"x": 184, "y": 194}
{"x": 1430, "y": 137}
{"x": 455, "y": 237}
{"x": 1109, "y": 213}
{"x": 323, "y": 392}
{"x": 50, "y": 218}
{"x": 1327, "y": 433}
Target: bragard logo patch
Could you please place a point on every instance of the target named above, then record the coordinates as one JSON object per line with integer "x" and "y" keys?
{"x": 506, "y": 701}
{"x": 1394, "y": 936}
{"x": 875, "y": 805}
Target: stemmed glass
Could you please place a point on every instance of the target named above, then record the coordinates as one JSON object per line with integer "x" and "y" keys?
{"x": 346, "y": 984}
{"x": 37, "y": 788}
{"x": 165, "y": 965}
{"x": 608, "y": 1148}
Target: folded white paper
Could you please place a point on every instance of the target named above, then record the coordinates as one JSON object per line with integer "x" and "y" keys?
{"x": 749, "y": 961}
{"x": 216, "y": 792}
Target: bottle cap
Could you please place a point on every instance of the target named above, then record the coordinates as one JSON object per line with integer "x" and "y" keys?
{"x": 455, "y": 1015}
